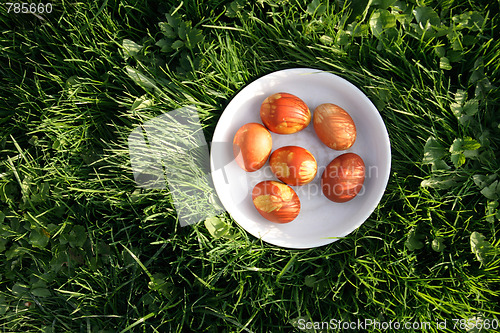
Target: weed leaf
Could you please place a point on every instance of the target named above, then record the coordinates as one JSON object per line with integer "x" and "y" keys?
{"x": 216, "y": 227}
{"x": 437, "y": 244}
{"x": 413, "y": 241}
{"x": 381, "y": 20}
{"x": 480, "y": 247}
{"x": 433, "y": 150}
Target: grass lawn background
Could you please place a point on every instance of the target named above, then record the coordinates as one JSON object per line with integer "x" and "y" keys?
{"x": 82, "y": 249}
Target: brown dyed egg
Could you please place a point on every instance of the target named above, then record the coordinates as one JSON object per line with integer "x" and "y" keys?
{"x": 334, "y": 126}
{"x": 252, "y": 145}
{"x": 293, "y": 165}
{"x": 275, "y": 201}
{"x": 285, "y": 113}
{"x": 343, "y": 178}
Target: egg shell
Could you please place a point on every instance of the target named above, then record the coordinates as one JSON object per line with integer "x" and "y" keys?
{"x": 284, "y": 113}
{"x": 334, "y": 126}
{"x": 275, "y": 201}
{"x": 343, "y": 177}
{"x": 293, "y": 165}
{"x": 252, "y": 146}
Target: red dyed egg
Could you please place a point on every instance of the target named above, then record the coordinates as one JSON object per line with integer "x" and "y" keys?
{"x": 252, "y": 145}
{"x": 293, "y": 165}
{"x": 334, "y": 126}
{"x": 284, "y": 113}
{"x": 275, "y": 201}
{"x": 343, "y": 178}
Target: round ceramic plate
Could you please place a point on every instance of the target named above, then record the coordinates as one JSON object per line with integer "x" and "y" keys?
{"x": 320, "y": 221}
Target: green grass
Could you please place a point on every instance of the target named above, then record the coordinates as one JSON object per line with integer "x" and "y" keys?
{"x": 83, "y": 250}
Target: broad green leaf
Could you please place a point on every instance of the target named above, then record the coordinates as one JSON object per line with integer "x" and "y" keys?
{"x": 492, "y": 191}
{"x": 310, "y": 281}
{"x": 182, "y": 30}
{"x": 235, "y": 8}
{"x": 480, "y": 247}
{"x": 438, "y": 245}
{"x": 342, "y": 38}
{"x": 58, "y": 260}
{"x": 456, "y": 44}
{"x": 469, "y": 20}
{"x": 454, "y": 56}
{"x": 424, "y": 15}
{"x": 440, "y": 51}
{"x": 194, "y": 37}
{"x": 482, "y": 181}
{"x": 33, "y": 140}
{"x": 356, "y": 29}
{"x": 131, "y": 48}
{"x": 20, "y": 289}
{"x": 444, "y": 63}
{"x": 141, "y": 103}
{"x": 460, "y": 96}
{"x": 492, "y": 213}
{"x": 8, "y": 192}
{"x": 177, "y": 44}
{"x": 458, "y": 159}
{"x": 470, "y": 144}
{"x": 3, "y": 241}
{"x": 460, "y": 145}
{"x": 4, "y": 306}
{"x": 440, "y": 183}
{"x": 383, "y": 4}
{"x": 464, "y": 120}
{"x": 216, "y": 227}
{"x": 139, "y": 78}
{"x": 77, "y": 236}
{"x": 41, "y": 292}
{"x": 474, "y": 154}
{"x": 433, "y": 150}
{"x": 469, "y": 40}
{"x": 326, "y": 40}
{"x": 313, "y": 6}
{"x": 164, "y": 44}
{"x": 173, "y": 21}
{"x": 413, "y": 241}
{"x": 439, "y": 165}
{"x": 39, "y": 237}
{"x": 15, "y": 251}
{"x": 477, "y": 71}
{"x": 476, "y": 21}
{"x": 381, "y": 20}
{"x": 40, "y": 283}
{"x": 470, "y": 107}
{"x": 167, "y": 30}
{"x": 456, "y": 146}
{"x": 2, "y": 216}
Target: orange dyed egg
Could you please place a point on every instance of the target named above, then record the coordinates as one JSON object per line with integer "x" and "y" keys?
{"x": 334, "y": 126}
{"x": 343, "y": 178}
{"x": 284, "y": 113}
{"x": 293, "y": 165}
{"x": 275, "y": 201}
{"x": 252, "y": 145}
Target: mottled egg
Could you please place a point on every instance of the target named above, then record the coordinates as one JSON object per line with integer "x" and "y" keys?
{"x": 293, "y": 165}
{"x": 334, "y": 126}
{"x": 275, "y": 201}
{"x": 252, "y": 145}
{"x": 343, "y": 177}
{"x": 284, "y": 113}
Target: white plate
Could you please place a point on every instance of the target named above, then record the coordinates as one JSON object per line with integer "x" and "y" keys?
{"x": 320, "y": 221}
